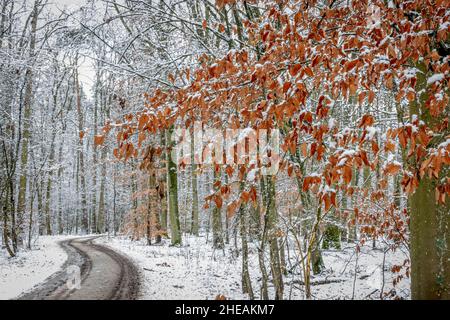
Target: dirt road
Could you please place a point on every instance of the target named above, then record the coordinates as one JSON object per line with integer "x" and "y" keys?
{"x": 91, "y": 272}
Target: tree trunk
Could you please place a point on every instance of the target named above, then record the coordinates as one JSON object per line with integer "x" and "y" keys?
{"x": 60, "y": 209}
{"x": 217, "y": 219}
{"x": 48, "y": 194}
{"x": 430, "y": 221}
{"x": 246, "y": 282}
{"x": 316, "y": 255}
{"x": 101, "y": 201}
{"x": 84, "y": 213}
{"x": 135, "y": 232}
{"x": 194, "y": 224}
{"x": 271, "y": 226}
{"x": 114, "y": 222}
{"x": 173, "y": 195}
{"x": 152, "y": 212}
{"x": 5, "y": 210}
{"x": 26, "y": 134}
{"x": 41, "y": 224}
{"x": 163, "y": 186}
{"x": 94, "y": 217}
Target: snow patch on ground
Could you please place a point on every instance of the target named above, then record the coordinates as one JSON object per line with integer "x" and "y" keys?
{"x": 193, "y": 271}
{"x": 360, "y": 276}
{"x": 196, "y": 271}
{"x": 30, "y": 267}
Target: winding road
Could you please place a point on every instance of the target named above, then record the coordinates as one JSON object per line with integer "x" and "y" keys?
{"x": 98, "y": 273}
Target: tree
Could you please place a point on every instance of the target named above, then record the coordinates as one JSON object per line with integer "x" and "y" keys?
{"x": 272, "y": 88}
{"x": 26, "y": 135}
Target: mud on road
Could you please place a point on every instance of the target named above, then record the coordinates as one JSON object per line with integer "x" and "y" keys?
{"x": 104, "y": 275}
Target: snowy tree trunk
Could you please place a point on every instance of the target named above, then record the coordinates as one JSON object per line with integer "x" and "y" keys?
{"x": 84, "y": 213}
{"x": 272, "y": 219}
{"x": 246, "y": 282}
{"x": 173, "y": 196}
{"x": 217, "y": 218}
{"x": 26, "y": 134}
{"x": 430, "y": 222}
{"x": 194, "y": 223}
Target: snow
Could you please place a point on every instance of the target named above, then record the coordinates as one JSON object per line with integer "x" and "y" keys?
{"x": 196, "y": 271}
{"x": 346, "y": 131}
{"x": 444, "y": 26}
{"x": 315, "y": 175}
{"x": 371, "y": 132}
{"x": 193, "y": 271}
{"x": 347, "y": 153}
{"x": 246, "y": 133}
{"x": 30, "y": 267}
{"x": 411, "y": 72}
{"x": 444, "y": 144}
{"x": 328, "y": 189}
{"x": 331, "y": 123}
{"x": 252, "y": 175}
{"x": 369, "y": 274}
{"x": 342, "y": 162}
{"x": 382, "y": 59}
{"x": 435, "y": 78}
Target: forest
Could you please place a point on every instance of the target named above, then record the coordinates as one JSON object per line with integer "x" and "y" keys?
{"x": 226, "y": 149}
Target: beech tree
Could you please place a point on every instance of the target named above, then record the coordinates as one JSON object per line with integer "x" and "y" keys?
{"x": 273, "y": 130}
{"x": 301, "y": 63}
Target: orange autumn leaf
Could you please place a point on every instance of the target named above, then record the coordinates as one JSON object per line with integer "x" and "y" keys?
{"x": 392, "y": 168}
{"x": 143, "y": 120}
{"x": 294, "y": 69}
{"x": 245, "y": 196}
{"x": 371, "y": 96}
{"x": 347, "y": 174}
{"x": 99, "y": 140}
{"x": 350, "y": 65}
{"x": 218, "y": 201}
{"x": 309, "y": 72}
{"x": 304, "y": 149}
{"x": 366, "y": 121}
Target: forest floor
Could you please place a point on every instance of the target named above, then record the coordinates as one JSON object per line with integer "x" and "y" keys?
{"x": 30, "y": 267}
{"x": 196, "y": 271}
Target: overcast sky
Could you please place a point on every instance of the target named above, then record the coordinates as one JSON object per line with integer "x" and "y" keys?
{"x": 86, "y": 69}
{"x": 86, "y": 75}
{"x": 60, "y": 4}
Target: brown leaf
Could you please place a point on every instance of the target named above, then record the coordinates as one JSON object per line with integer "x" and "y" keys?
{"x": 366, "y": 121}
{"x": 371, "y": 96}
{"x": 294, "y": 69}
{"x": 143, "y": 120}
{"x": 218, "y": 201}
{"x": 392, "y": 168}
{"x": 309, "y": 72}
{"x": 304, "y": 149}
{"x": 99, "y": 140}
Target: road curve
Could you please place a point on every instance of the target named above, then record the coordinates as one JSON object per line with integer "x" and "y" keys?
{"x": 104, "y": 275}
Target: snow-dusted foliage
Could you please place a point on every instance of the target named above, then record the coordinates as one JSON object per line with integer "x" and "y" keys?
{"x": 337, "y": 165}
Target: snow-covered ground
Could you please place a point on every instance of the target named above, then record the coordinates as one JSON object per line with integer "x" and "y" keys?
{"x": 196, "y": 271}
{"x": 30, "y": 267}
{"x": 192, "y": 271}
{"x": 340, "y": 266}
